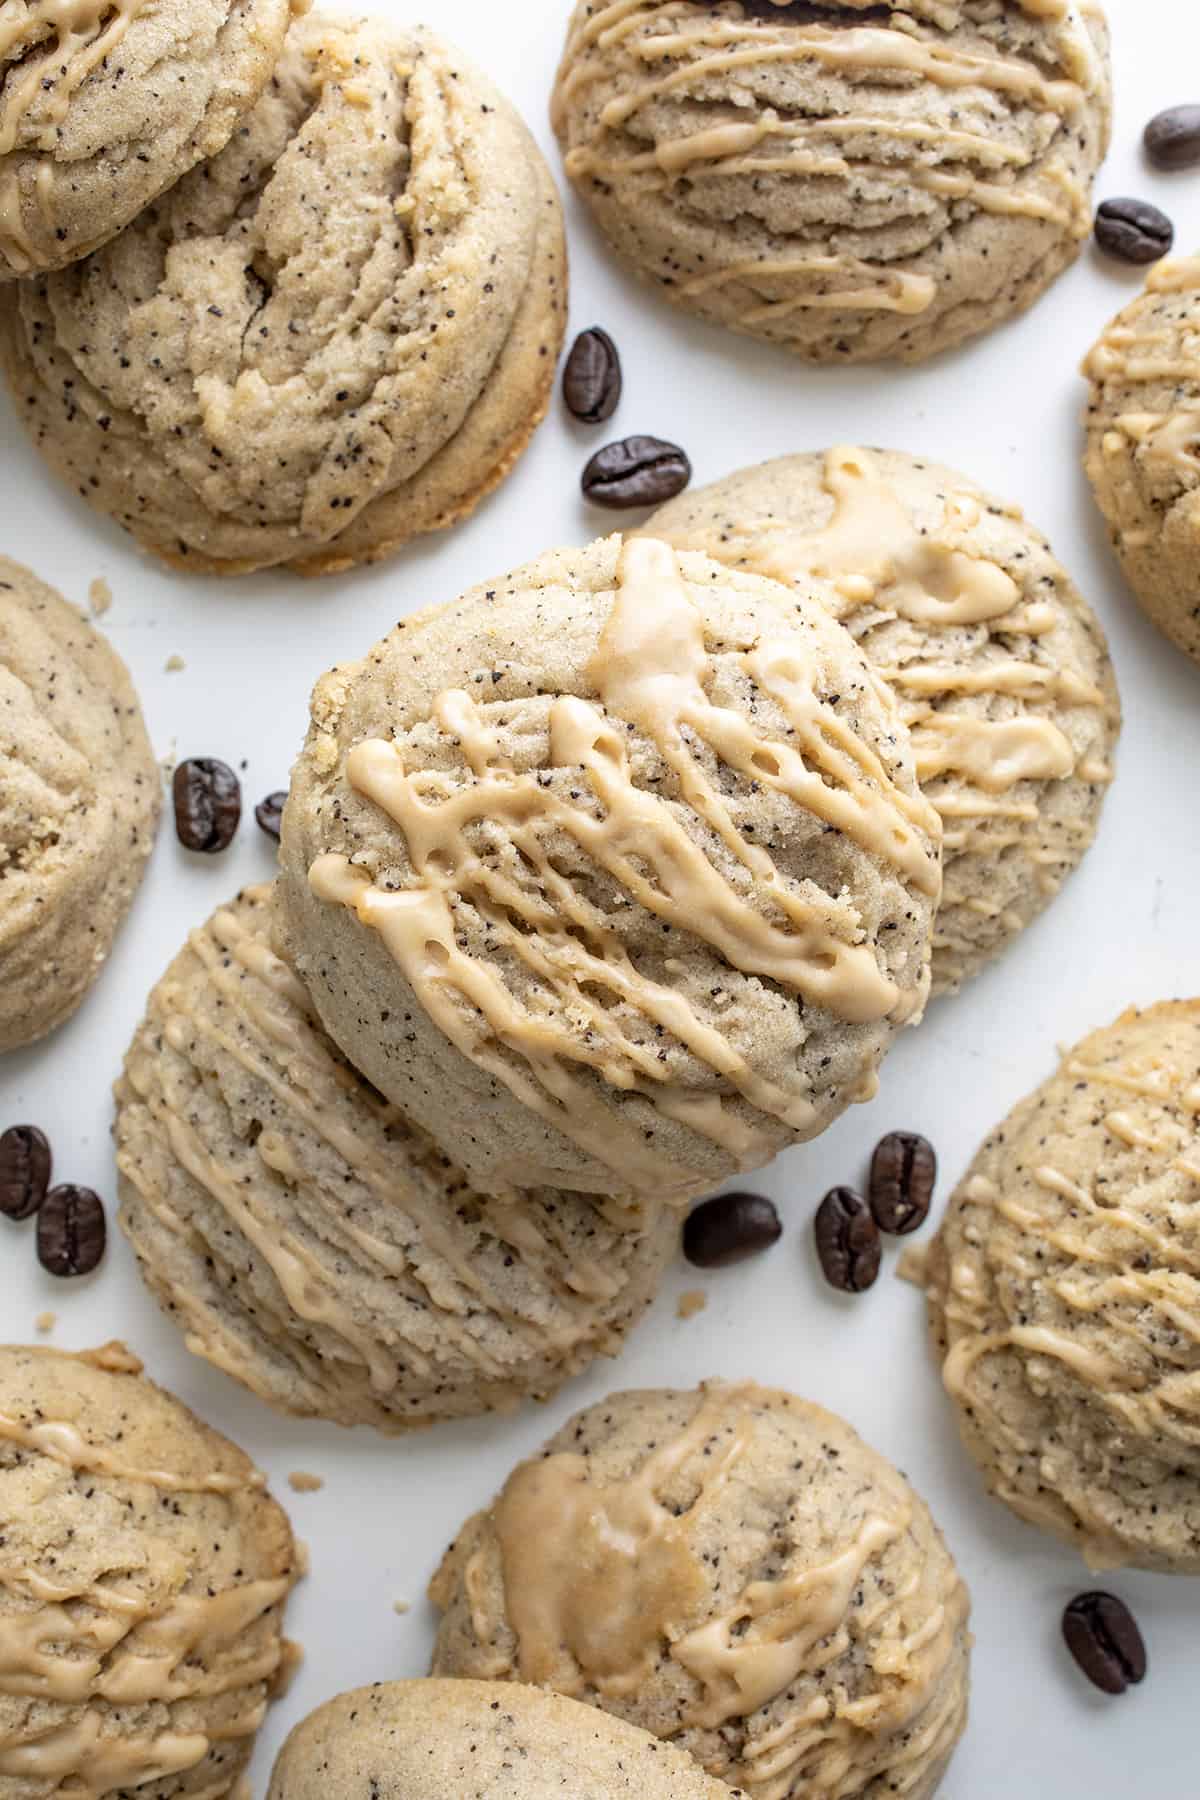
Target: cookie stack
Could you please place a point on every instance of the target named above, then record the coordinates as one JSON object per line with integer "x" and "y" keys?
{"x": 324, "y": 311}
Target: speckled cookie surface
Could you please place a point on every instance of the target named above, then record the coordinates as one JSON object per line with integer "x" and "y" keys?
{"x": 1064, "y": 1297}
{"x": 613, "y": 873}
{"x": 424, "y": 1740}
{"x": 1000, "y": 667}
{"x": 103, "y": 106}
{"x": 356, "y": 354}
{"x": 1143, "y": 446}
{"x": 732, "y": 1569}
{"x": 79, "y": 804}
{"x": 852, "y": 181}
{"x": 144, "y": 1578}
{"x": 316, "y": 1245}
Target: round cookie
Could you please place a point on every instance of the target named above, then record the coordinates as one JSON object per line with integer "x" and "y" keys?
{"x": 613, "y": 874}
{"x": 424, "y": 1740}
{"x": 732, "y": 1569}
{"x": 144, "y": 1579}
{"x": 106, "y": 103}
{"x": 316, "y": 1245}
{"x": 1143, "y": 446}
{"x": 354, "y": 354}
{"x": 79, "y": 804}
{"x": 852, "y": 181}
{"x": 1000, "y": 667}
{"x": 1064, "y": 1297}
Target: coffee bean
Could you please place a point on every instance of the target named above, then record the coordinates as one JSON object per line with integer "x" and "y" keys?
{"x": 269, "y": 813}
{"x": 637, "y": 471}
{"x": 730, "y": 1228}
{"x": 1103, "y": 1637}
{"x": 1133, "y": 230}
{"x": 903, "y": 1171}
{"x": 1172, "y": 139}
{"x": 24, "y": 1171}
{"x": 592, "y": 377}
{"x": 208, "y": 804}
{"x": 71, "y": 1231}
{"x": 848, "y": 1242}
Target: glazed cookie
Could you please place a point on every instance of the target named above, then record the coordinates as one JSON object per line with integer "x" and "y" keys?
{"x": 317, "y": 1246}
{"x": 339, "y": 333}
{"x": 735, "y": 1570}
{"x": 851, "y": 180}
{"x": 424, "y": 1740}
{"x": 1000, "y": 666}
{"x": 106, "y": 103}
{"x": 614, "y": 873}
{"x": 1143, "y": 446}
{"x": 1063, "y": 1297}
{"x": 79, "y": 804}
{"x": 142, "y": 1589}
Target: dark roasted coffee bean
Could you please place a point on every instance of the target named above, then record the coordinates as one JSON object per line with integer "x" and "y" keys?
{"x": 807, "y": 12}
{"x": 71, "y": 1231}
{"x": 269, "y": 813}
{"x": 1133, "y": 230}
{"x": 592, "y": 377}
{"x": 730, "y": 1228}
{"x": 848, "y": 1241}
{"x": 24, "y": 1171}
{"x": 903, "y": 1171}
{"x": 1172, "y": 139}
{"x": 208, "y": 804}
{"x": 637, "y": 471}
{"x": 1103, "y": 1637}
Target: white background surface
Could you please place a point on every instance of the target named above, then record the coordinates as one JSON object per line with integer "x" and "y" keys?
{"x": 1005, "y": 410}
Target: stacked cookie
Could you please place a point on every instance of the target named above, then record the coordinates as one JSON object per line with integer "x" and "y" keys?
{"x": 336, "y": 332}
{"x": 598, "y": 885}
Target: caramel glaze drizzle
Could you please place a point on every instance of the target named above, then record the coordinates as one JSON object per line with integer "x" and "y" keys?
{"x": 602, "y": 1580}
{"x": 103, "y": 1644}
{"x": 880, "y": 566}
{"x": 648, "y": 671}
{"x": 58, "y": 44}
{"x": 722, "y": 46}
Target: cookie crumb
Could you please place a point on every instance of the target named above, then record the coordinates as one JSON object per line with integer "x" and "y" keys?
{"x": 302, "y": 1558}
{"x": 174, "y": 663}
{"x": 99, "y": 597}
{"x": 301, "y": 1482}
{"x": 46, "y": 1321}
{"x": 913, "y": 1266}
{"x": 401, "y": 1607}
{"x": 690, "y": 1303}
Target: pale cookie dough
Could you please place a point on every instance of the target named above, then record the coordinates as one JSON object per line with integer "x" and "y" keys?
{"x": 79, "y": 804}
{"x": 1143, "y": 446}
{"x": 735, "y": 1570}
{"x": 339, "y": 333}
{"x": 613, "y": 873}
{"x": 426, "y": 1740}
{"x": 320, "y": 1248}
{"x": 1064, "y": 1297}
{"x": 105, "y": 103}
{"x": 1000, "y": 667}
{"x": 852, "y": 181}
{"x": 143, "y": 1581}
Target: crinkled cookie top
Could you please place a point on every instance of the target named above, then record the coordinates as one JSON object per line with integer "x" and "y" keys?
{"x": 735, "y": 1570}
{"x": 1064, "y": 1292}
{"x": 615, "y": 873}
{"x": 104, "y": 103}
{"x": 79, "y": 803}
{"x": 1143, "y": 446}
{"x": 851, "y": 180}
{"x": 144, "y": 1576}
{"x": 304, "y": 322}
{"x": 1000, "y": 667}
